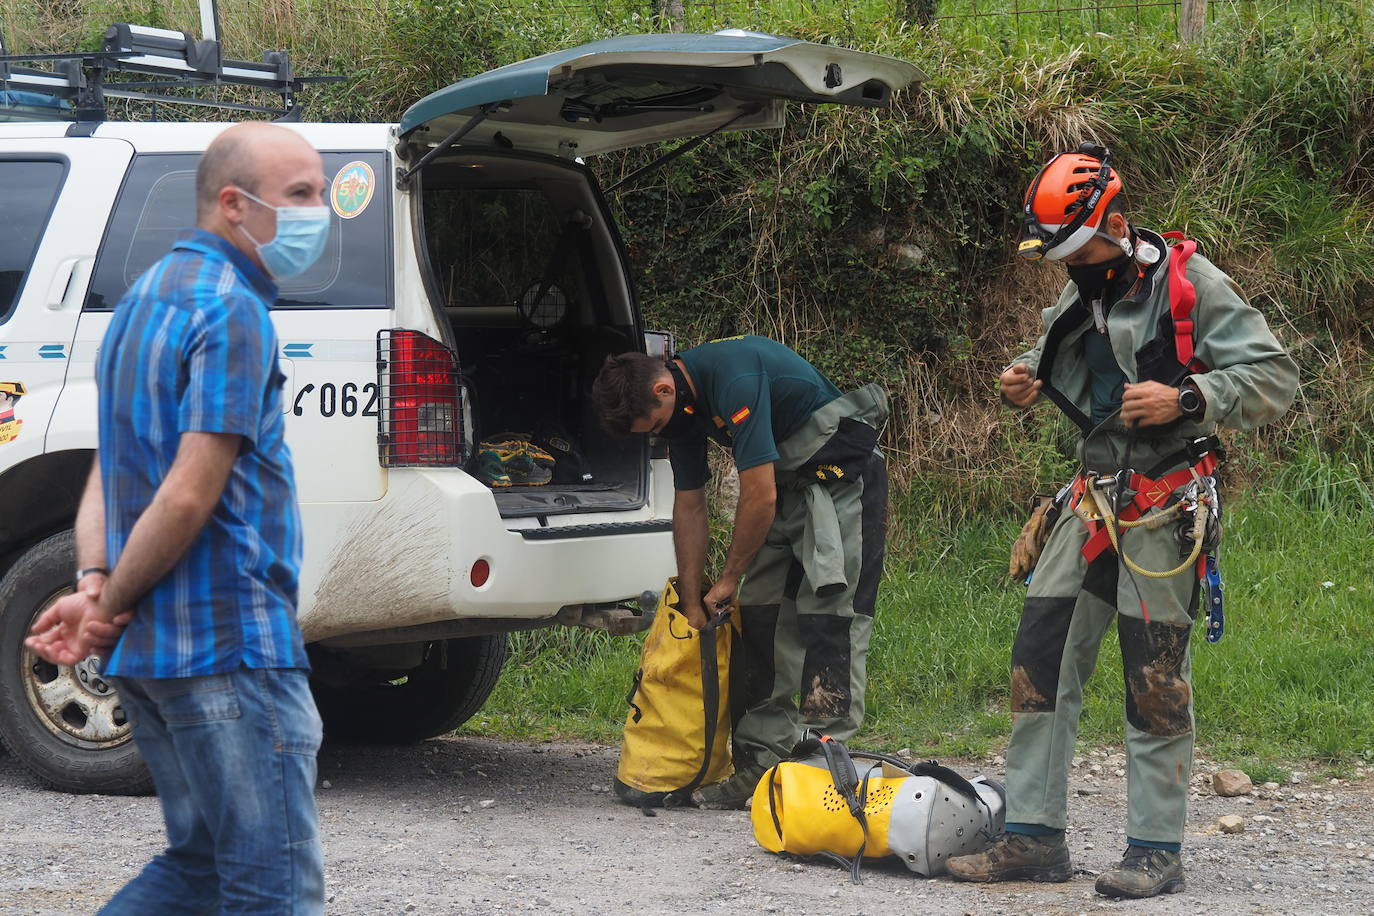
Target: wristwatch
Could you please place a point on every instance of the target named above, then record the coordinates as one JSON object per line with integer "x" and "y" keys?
{"x": 89, "y": 570}
{"x": 1190, "y": 401}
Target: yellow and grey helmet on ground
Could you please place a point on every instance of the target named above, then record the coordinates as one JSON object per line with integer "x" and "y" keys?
{"x": 932, "y": 820}
{"x": 13, "y": 389}
{"x": 1065, "y": 204}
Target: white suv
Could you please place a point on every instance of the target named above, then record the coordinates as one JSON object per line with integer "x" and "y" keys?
{"x": 473, "y": 284}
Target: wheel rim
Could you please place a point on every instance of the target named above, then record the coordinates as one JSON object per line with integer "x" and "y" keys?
{"x": 76, "y": 703}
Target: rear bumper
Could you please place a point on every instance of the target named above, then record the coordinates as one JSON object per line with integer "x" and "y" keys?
{"x": 408, "y": 558}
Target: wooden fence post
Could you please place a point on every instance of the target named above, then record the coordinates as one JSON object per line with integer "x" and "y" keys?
{"x": 919, "y": 11}
{"x": 1192, "y": 18}
{"x": 675, "y": 11}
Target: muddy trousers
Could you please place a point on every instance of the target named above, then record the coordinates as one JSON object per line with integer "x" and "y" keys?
{"x": 805, "y": 654}
{"x": 1070, "y": 605}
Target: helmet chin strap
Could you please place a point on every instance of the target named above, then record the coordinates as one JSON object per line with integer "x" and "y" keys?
{"x": 1142, "y": 252}
{"x": 1124, "y": 243}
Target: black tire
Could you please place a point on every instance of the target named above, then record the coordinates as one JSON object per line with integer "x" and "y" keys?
{"x": 447, "y": 689}
{"x": 65, "y": 725}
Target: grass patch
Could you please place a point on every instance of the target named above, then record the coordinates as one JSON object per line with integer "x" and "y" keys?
{"x": 1289, "y": 681}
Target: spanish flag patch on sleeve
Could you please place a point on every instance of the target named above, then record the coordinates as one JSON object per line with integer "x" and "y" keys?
{"x": 739, "y": 416}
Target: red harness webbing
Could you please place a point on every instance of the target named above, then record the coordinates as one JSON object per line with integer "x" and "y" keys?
{"x": 1182, "y": 298}
{"x": 1149, "y": 494}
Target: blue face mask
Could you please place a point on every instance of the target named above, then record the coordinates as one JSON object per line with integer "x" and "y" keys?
{"x": 300, "y": 238}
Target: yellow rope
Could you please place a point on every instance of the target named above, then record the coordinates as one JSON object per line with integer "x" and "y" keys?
{"x": 1112, "y": 524}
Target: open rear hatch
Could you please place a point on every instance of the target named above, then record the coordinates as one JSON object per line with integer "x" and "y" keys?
{"x": 639, "y": 89}
{"x": 524, "y": 261}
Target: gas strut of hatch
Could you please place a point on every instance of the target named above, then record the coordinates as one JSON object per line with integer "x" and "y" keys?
{"x": 678, "y": 151}
{"x": 403, "y": 178}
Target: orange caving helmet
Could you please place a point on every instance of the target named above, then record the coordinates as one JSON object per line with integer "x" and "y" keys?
{"x": 1065, "y": 203}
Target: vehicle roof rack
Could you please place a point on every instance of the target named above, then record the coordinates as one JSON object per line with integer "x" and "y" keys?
{"x": 173, "y": 63}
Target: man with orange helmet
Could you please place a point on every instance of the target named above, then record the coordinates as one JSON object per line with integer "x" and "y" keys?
{"x": 1149, "y": 349}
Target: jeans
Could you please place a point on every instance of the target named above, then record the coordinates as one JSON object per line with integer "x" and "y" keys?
{"x": 233, "y": 759}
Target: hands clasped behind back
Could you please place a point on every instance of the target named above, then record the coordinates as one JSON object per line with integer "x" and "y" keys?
{"x": 76, "y": 626}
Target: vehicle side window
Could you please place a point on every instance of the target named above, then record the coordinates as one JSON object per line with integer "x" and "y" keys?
{"x": 158, "y": 203}
{"x": 29, "y": 189}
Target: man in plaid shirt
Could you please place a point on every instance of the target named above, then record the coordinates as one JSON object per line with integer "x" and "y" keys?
{"x": 188, "y": 543}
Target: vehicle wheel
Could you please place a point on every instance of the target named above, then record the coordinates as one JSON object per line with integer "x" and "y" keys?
{"x": 64, "y": 724}
{"x": 447, "y": 689}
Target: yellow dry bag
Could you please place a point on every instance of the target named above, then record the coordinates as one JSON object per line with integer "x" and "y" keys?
{"x": 677, "y": 731}
{"x": 851, "y": 805}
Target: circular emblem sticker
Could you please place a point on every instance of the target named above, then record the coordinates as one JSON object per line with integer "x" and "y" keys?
{"x": 351, "y": 190}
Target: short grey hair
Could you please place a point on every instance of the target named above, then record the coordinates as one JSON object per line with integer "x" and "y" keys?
{"x": 229, "y": 160}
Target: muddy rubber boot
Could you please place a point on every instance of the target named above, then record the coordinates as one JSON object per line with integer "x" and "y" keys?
{"x": 1143, "y": 872}
{"x": 731, "y": 794}
{"x": 1016, "y": 857}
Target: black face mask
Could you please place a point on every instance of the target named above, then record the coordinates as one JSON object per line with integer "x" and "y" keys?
{"x": 684, "y": 419}
{"x": 1092, "y": 279}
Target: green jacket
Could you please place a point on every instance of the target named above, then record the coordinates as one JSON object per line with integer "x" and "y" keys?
{"x": 1252, "y": 379}
{"x": 829, "y": 440}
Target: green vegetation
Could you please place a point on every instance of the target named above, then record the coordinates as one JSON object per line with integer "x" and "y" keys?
{"x": 878, "y": 244}
{"x": 1289, "y": 680}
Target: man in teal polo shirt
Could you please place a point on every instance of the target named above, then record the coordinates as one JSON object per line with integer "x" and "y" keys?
{"x": 806, "y": 552}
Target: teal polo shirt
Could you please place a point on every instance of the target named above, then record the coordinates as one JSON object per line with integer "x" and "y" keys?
{"x": 752, "y": 393}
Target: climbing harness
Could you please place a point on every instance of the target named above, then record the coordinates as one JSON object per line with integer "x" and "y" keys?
{"x": 1150, "y": 503}
{"x": 1098, "y": 490}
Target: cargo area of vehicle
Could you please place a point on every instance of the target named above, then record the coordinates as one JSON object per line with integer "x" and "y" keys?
{"x": 525, "y": 267}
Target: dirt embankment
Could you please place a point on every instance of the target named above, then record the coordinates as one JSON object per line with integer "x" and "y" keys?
{"x": 406, "y": 830}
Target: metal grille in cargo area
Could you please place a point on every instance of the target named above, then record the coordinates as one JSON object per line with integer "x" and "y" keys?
{"x": 420, "y": 420}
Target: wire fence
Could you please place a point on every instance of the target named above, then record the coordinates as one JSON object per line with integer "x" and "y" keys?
{"x": 1068, "y": 18}
{"x": 60, "y": 24}
{"x": 1020, "y": 18}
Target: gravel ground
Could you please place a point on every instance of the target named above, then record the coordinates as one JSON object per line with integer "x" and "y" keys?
{"x": 476, "y": 826}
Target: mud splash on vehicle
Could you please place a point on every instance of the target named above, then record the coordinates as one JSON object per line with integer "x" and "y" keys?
{"x": 388, "y": 569}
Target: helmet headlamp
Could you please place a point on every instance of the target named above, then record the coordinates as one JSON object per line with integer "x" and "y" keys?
{"x": 1032, "y": 249}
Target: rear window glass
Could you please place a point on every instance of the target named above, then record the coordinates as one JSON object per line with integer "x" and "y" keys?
{"x": 29, "y": 189}
{"x": 158, "y": 203}
{"x": 488, "y": 246}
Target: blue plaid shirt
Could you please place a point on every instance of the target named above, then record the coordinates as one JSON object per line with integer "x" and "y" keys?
{"x": 191, "y": 348}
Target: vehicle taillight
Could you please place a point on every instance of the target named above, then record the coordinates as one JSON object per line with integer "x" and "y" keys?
{"x": 421, "y": 415}
{"x": 481, "y": 572}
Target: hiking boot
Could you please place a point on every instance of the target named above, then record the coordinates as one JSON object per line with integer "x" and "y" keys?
{"x": 1143, "y": 872}
{"x": 1016, "y": 857}
{"x": 731, "y": 794}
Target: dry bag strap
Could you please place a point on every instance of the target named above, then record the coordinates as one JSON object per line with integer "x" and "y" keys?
{"x": 630, "y": 697}
{"x": 773, "y": 800}
{"x": 854, "y": 793}
{"x": 710, "y": 703}
{"x": 952, "y": 779}
{"x": 936, "y": 771}
{"x": 852, "y": 790}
